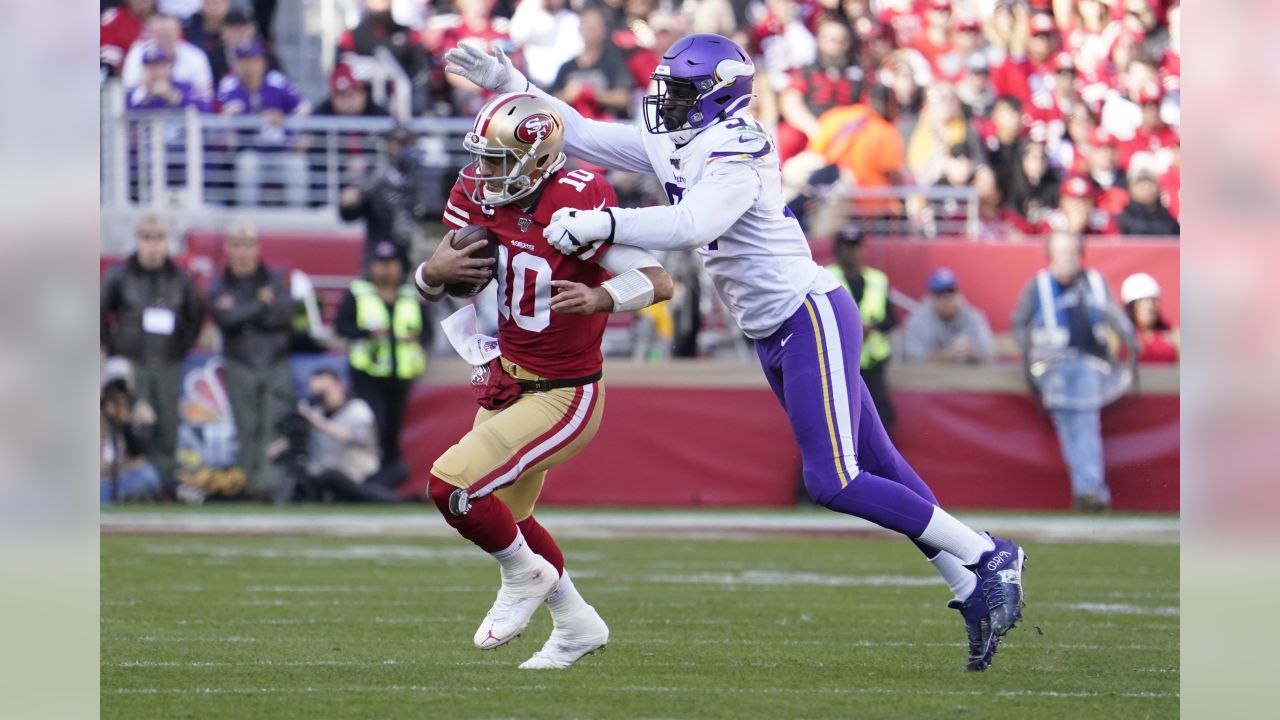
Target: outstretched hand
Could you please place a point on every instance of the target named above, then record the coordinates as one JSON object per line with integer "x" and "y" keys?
{"x": 491, "y": 72}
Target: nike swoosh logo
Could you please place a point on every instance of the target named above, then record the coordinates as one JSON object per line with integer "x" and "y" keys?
{"x": 601, "y": 205}
{"x": 784, "y": 340}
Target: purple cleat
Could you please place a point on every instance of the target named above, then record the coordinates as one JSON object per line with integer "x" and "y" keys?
{"x": 1000, "y": 584}
{"x": 977, "y": 625}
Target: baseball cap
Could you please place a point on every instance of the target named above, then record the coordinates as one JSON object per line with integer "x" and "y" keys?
{"x": 850, "y": 234}
{"x": 1064, "y": 61}
{"x": 153, "y": 53}
{"x": 251, "y": 49}
{"x": 386, "y": 250}
{"x": 1150, "y": 93}
{"x": 968, "y": 25}
{"x": 342, "y": 79}
{"x": 1042, "y": 24}
{"x": 940, "y": 5}
{"x": 978, "y": 63}
{"x": 942, "y": 280}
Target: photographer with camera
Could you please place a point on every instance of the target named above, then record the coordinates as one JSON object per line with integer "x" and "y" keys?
{"x": 340, "y": 453}
{"x": 126, "y": 427}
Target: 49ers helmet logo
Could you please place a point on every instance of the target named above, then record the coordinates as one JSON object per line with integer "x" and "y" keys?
{"x": 534, "y": 127}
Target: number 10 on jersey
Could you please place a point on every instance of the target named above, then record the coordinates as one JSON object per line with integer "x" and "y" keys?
{"x": 529, "y": 307}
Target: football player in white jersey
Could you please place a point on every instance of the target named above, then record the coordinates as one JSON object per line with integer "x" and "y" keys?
{"x": 722, "y": 179}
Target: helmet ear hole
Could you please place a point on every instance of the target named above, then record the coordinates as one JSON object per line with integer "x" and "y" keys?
{"x": 542, "y": 161}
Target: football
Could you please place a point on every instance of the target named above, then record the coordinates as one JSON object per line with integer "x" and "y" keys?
{"x": 467, "y": 236}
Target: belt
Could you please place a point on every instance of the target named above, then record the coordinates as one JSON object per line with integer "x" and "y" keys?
{"x": 544, "y": 385}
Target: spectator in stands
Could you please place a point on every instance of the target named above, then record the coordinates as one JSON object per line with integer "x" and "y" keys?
{"x": 1140, "y": 20}
{"x": 120, "y": 28}
{"x": 252, "y": 89}
{"x": 957, "y": 173}
{"x": 393, "y": 201}
{"x": 1079, "y": 213}
{"x": 596, "y": 83}
{"x": 976, "y": 92}
{"x": 874, "y": 45}
{"x": 870, "y": 290}
{"x": 383, "y": 321}
{"x": 348, "y": 97}
{"x": 190, "y": 64}
{"x": 864, "y": 145}
{"x": 995, "y": 219}
{"x": 1061, "y": 323}
{"x": 379, "y": 29}
{"x": 150, "y": 314}
{"x": 1005, "y": 145}
{"x": 1145, "y": 214}
{"x": 1158, "y": 341}
{"x": 126, "y": 425}
{"x": 903, "y": 18}
{"x": 1152, "y": 135}
{"x": 1028, "y": 76}
{"x": 834, "y": 80}
{"x": 963, "y": 47}
{"x": 204, "y": 29}
{"x": 946, "y": 328}
{"x": 1036, "y": 186}
{"x": 782, "y": 41}
{"x": 935, "y": 40}
{"x": 475, "y": 24}
{"x": 1121, "y": 112}
{"x": 940, "y": 126}
{"x": 342, "y": 445}
{"x": 238, "y": 30}
{"x": 1104, "y": 174}
{"x": 548, "y": 32}
{"x": 158, "y": 90}
{"x": 254, "y": 312}
{"x": 908, "y": 75}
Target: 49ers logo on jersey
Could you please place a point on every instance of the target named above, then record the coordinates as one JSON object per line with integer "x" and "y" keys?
{"x": 534, "y": 128}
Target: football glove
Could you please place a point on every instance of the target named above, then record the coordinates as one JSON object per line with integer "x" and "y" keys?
{"x": 573, "y": 230}
{"x": 491, "y": 72}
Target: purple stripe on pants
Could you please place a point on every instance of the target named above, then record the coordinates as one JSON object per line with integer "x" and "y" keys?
{"x": 850, "y": 465}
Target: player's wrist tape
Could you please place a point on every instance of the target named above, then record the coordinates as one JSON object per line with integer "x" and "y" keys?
{"x": 631, "y": 290}
{"x": 423, "y": 285}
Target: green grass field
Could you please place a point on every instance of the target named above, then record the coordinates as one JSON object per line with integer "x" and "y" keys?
{"x": 768, "y": 627}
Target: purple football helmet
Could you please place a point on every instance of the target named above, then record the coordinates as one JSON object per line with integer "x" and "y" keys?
{"x": 701, "y": 80}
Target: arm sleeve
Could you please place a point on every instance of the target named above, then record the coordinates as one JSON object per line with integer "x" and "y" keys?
{"x": 984, "y": 342}
{"x": 279, "y": 314}
{"x": 242, "y": 310}
{"x": 193, "y": 310}
{"x": 612, "y": 145}
{"x": 622, "y": 258}
{"x": 915, "y": 340}
{"x": 1022, "y": 314}
{"x": 707, "y": 210}
{"x": 106, "y": 305}
{"x": 345, "y": 322}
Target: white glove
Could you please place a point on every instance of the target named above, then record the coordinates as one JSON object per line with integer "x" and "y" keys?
{"x": 491, "y": 72}
{"x": 572, "y": 230}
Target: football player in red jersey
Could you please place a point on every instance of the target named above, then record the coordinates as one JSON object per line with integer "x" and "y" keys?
{"x": 541, "y": 398}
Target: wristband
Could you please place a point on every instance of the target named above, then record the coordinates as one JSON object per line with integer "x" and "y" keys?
{"x": 631, "y": 290}
{"x": 423, "y": 286}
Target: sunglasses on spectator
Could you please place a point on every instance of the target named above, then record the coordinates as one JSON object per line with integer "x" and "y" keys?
{"x": 1066, "y": 71}
{"x": 151, "y": 235}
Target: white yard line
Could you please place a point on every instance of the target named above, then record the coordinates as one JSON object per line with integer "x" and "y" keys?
{"x": 570, "y": 523}
{"x": 454, "y": 690}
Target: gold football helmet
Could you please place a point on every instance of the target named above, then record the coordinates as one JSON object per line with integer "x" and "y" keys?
{"x": 516, "y": 142}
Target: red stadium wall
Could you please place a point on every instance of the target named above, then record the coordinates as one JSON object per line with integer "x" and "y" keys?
{"x": 694, "y": 446}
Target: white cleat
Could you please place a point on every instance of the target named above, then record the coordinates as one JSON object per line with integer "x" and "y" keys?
{"x": 517, "y": 600}
{"x": 583, "y": 634}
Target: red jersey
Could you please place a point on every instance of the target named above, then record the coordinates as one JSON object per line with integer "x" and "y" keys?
{"x": 117, "y": 33}
{"x": 553, "y": 345}
{"x": 1157, "y": 142}
{"x": 1157, "y": 346}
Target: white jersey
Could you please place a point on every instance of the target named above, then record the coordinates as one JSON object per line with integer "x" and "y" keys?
{"x": 725, "y": 190}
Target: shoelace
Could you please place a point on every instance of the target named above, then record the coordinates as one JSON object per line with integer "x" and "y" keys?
{"x": 993, "y": 592}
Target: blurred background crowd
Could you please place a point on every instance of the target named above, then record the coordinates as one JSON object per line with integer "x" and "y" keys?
{"x": 324, "y": 136}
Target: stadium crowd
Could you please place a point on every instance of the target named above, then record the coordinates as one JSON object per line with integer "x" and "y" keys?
{"x": 1053, "y": 115}
{"x": 1058, "y": 114}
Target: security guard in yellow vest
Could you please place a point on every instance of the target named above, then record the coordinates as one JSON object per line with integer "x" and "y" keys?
{"x": 385, "y": 327}
{"x": 870, "y": 289}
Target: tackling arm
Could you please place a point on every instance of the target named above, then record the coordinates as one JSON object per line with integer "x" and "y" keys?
{"x": 707, "y": 210}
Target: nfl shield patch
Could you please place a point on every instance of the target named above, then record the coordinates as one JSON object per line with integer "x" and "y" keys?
{"x": 524, "y": 224}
